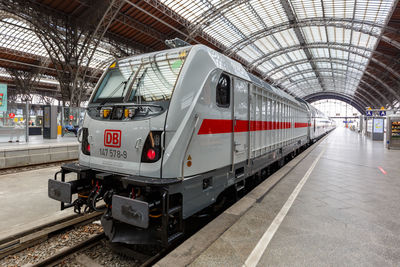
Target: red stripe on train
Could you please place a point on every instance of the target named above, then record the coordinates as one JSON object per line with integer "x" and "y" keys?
{"x": 212, "y": 126}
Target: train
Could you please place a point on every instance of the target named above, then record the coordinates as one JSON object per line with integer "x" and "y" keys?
{"x": 167, "y": 134}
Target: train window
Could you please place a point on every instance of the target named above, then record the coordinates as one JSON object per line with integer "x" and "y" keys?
{"x": 223, "y": 92}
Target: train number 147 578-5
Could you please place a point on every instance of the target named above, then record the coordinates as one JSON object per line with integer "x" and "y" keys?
{"x": 113, "y": 153}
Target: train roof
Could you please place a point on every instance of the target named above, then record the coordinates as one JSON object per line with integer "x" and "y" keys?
{"x": 225, "y": 63}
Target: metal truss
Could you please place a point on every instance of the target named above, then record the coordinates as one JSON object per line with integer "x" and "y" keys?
{"x": 361, "y": 93}
{"x": 349, "y": 77}
{"x": 157, "y": 4}
{"x": 333, "y": 60}
{"x": 25, "y": 81}
{"x": 69, "y": 45}
{"x": 261, "y": 21}
{"x": 335, "y": 70}
{"x": 93, "y": 42}
{"x": 351, "y": 49}
{"x": 360, "y": 87}
{"x": 293, "y": 19}
{"x": 232, "y": 26}
{"x": 351, "y": 24}
{"x": 342, "y": 97}
{"x": 210, "y": 14}
{"x": 354, "y": 79}
{"x": 365, "y": 96}
{"x": 143, "y": 28}
{"x": 396, "y": 75}
{"x": 332, "y": 45}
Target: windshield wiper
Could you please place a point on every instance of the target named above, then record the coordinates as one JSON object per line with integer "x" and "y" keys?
{"x": 112, "y": 93}
{"x": 139, "y": 83}
{"x": 116, "y": 90}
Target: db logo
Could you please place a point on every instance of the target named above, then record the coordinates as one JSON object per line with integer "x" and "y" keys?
{"x": 112, "y": 138}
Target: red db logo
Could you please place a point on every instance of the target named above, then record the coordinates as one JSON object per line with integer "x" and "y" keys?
{"x": 112, "y": 138}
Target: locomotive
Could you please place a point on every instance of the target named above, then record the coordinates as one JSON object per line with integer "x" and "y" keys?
{"x": 167, "y": 133}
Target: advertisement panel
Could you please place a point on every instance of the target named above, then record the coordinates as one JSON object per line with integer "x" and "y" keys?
{"x": 378, "y": 125}
{"x": 3, "y": 97}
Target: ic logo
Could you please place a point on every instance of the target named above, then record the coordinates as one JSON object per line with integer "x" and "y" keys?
{"x": 112, "y": 138}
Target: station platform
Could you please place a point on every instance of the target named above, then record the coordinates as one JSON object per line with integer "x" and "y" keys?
{"x": 336, "y": 204}
{"x": 37, "y": 151}
{"x": 24, "y": 201}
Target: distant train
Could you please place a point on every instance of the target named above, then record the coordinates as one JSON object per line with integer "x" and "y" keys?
{"x": 166, "y": 134}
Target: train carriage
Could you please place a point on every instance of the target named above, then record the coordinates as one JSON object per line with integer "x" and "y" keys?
{"x": 167, "y": 133}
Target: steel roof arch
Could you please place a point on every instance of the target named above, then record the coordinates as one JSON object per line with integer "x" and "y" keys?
{"x": 351, "y": 77}
{"x": 322, "y": 22}
{"x": 332, "y": 45}
{"x": 368, "y": 101}
{"x": 333, "y": 60}
{"x": 279, "y": 81}
{"x": 337, "y": 96}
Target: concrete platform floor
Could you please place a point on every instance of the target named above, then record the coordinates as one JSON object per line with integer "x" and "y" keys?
{"x": 38, "y": 151}
{"x": 36, "y": 140}
{"x": 24, "y": 200}
{"x": 346, "y": 214}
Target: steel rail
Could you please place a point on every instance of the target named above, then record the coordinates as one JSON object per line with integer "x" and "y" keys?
{"x": 13, "y": 244}
{"x": 64, "y": 253}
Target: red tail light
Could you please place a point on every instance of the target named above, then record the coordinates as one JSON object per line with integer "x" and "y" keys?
{"x": 151, "y": 154}
{"x": 85, "y": 143}
{"x": 152, "y": 151}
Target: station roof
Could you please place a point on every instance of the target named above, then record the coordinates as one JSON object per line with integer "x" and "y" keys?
{"x": 311, "y": 49}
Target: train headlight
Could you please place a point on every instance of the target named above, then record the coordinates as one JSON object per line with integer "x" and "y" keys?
{"x": 130, "y": 112}
{"x": 105, "y": 113}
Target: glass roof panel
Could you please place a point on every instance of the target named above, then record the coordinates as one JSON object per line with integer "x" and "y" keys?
{"x": 244, "y": 20}
{"x": 232, "y": 22}
{"x": 271, "y": 12}
{"x": 286, "y": 38}
{"x": 307, "y": 9}
{"x": 17, "y": 35}
{"x": 314, "y": 34}
{"x": 267, "y": 44}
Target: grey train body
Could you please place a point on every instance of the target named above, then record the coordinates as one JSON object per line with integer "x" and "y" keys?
{"x": 188, "y": 124}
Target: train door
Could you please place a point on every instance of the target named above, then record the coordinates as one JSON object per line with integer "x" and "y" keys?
{"x": 241, "y": 125}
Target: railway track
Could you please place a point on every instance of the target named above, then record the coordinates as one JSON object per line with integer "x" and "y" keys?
{"x": 77, "y": 253}
{"x": 68, "y": 251}
{"x": 26, "y": 239}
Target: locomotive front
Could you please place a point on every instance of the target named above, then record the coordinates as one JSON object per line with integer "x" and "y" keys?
{"x": 121, "y": 151}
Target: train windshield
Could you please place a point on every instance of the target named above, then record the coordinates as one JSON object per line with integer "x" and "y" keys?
{"x": 141, "y": 79}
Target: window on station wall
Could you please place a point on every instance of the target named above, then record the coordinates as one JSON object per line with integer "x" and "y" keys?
{"x": 339, "y": 109}
{"x": 336, "y": 108}
{"x": 223, "y": 92}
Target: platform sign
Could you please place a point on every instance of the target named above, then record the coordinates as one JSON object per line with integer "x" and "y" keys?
{"x": 382, "y": 112}
{"x": 3, "y": 97}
